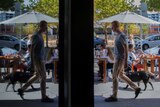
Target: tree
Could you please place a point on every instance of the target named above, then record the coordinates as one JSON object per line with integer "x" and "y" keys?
{"x": 49, "y": 7}
{"x": 106, "y": 8}
{"x": 8, "y": 4}
{"x": 152, "y": 4}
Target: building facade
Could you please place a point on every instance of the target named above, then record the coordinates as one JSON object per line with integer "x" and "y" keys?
{"x": 4, "y": 15}
{"x": 154, "y": 16}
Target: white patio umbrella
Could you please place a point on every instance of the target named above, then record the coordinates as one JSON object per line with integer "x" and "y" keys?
{"x": 129, "y": 17}
{"x": 30, "y": 17}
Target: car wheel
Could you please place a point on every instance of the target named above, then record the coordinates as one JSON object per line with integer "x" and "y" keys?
{"x": 145, "y": 46}
{"x": 16, "y": 47}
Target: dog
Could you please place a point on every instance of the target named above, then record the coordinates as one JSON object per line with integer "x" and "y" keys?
{"x": 20, "y": 77}
{"x": 138, "y": 76}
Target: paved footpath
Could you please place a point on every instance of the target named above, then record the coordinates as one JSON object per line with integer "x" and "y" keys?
{"x": 148, "y": 98}
{"x": 12, "y": 99}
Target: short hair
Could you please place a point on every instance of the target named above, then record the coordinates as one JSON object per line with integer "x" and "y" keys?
{"x": 130, "y": 46}
{"x": 116, "y": 23}
{"x": 42, "y": 23}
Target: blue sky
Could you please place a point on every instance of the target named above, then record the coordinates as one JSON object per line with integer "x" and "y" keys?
{"x": 26, "y": 2}
{"x": 137, "y": 2}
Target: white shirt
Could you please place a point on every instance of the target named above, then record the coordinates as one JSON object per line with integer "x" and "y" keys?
{"x": 104, "y": 54}
{"x": 28, "y": 42}
{"x": 54, "y": 56}
{"x": 131, "y": 57}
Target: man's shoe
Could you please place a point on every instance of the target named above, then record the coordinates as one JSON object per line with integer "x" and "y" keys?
{"x": 47, "y": 99}
{"x": 21, "y": 93}
{"x": 111, "y": 99}
{"x": 138, "y": 90}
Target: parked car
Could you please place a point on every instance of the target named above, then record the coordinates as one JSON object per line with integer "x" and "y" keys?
{"x": 137, "y": 40}
{"x": 12, "y": 42}
{"x": 150, "y": 41}
{"x": 25, "y": 39}
{"x": 153, "y": 51}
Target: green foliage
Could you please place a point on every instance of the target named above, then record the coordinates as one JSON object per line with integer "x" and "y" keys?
{"x": 8, "y": 4}
{"x": 49, "y": 7}
{"x": 152, "y": 4}
{"x": 106, "y": 8}
{"x": 29, "y": 29}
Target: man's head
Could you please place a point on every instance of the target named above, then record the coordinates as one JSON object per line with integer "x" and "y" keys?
{"x": 115, "y": 26}
{"x": 42, "y": 26}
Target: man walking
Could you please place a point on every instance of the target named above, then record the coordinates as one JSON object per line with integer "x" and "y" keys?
{"x": 121, "y": 55}
{"x": 38, "y": 62}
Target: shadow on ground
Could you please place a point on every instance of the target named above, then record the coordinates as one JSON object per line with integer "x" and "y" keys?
{"x": 124, "y": 102}
{"x": 27, "y": 103}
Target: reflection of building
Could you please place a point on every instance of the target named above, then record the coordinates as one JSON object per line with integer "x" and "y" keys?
{"x": 154, "y": 16}
{"x": 5, "y": 15}
{"x": 154, "y": 29}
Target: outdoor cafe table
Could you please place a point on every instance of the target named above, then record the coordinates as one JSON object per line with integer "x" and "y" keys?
{"x": 10, "y": 58}
{"x": 152, "y": 58}
{"x": 104, "y": 60}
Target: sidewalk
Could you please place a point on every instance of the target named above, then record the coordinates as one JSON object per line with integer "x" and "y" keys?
{"x": 33, "y": 97}
{"x": 148, "y": 98}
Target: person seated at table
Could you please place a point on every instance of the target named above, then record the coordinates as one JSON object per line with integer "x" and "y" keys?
{"x": 52, "y": 54}
{"x": 138, "y": 52}
{"x": 49, "y": 63}
{"x": 110, "y": 59}
{"x": 105, "y": 53}
{"x": 131, "y": 40}
{"x": 27, "y": 57}
{"x": 135, "y": 61}
{"x": 132, "y": 59}
{"x": 25, "y": 60}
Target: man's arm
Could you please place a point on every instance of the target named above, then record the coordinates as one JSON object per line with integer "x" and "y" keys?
{"x": 125, "y": 50}
{"x": 126, "y": 55}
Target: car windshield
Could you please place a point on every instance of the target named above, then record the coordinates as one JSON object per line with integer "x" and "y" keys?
{"x": 14, "y": 38}
{"x": 149, "y": 37}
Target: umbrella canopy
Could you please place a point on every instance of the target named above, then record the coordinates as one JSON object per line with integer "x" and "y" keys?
{"x": 30, "y": 17}
{"x": 129, "y": 17}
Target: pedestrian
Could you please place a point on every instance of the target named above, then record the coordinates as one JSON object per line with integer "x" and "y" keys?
{"x": 38, "y": 60}
{"x": 121, "y": 55}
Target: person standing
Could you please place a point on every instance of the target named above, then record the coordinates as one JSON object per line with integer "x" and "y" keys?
{"x": 38, "y": 60}
{"x": 121, "y": 55}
